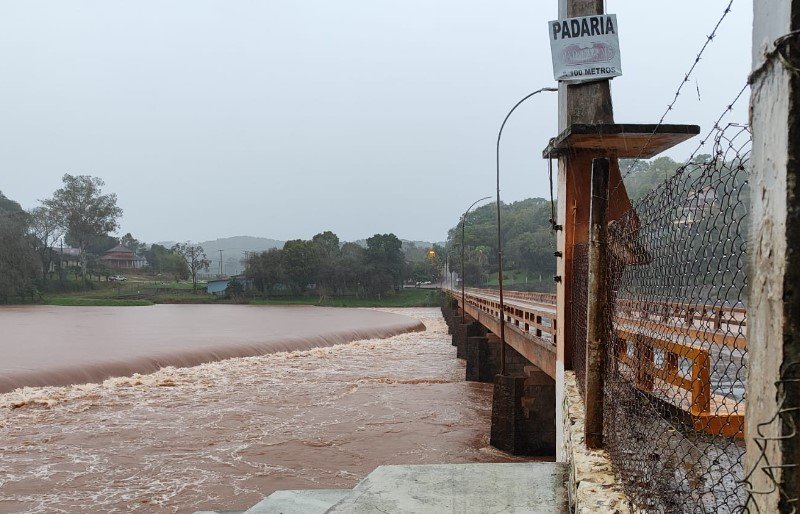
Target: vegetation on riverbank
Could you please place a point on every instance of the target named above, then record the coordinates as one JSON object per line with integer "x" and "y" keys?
{"x": 404, "y": 298}
{"x": 143, "y": 296}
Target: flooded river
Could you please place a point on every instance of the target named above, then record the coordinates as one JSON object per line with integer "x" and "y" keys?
{"x": 41, "y": 346}
{"x": 225, "y": 434}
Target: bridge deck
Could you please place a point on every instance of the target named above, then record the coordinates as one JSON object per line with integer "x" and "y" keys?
{"x": 530, "y": 322}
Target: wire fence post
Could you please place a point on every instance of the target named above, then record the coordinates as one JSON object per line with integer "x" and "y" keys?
{"x": 597, "y": 295}
{"x": 772, "y": 462}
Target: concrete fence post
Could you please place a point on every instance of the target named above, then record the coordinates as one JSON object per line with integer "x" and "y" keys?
{"x": 772, "y": 461}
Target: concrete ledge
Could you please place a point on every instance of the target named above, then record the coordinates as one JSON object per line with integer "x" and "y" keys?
{"x": 593, "y": 485}
{"x": 522, "y": 487}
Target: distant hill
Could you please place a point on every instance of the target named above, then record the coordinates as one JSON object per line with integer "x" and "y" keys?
{"x": 233, "y": 251}
{"x": 7, "y": 205}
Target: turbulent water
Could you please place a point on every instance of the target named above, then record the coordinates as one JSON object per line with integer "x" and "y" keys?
{"x": 225, "y": 434}
{"x": 43, "y": 346}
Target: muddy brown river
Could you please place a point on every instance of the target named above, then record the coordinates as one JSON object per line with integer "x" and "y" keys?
{"x": 48, "y": 345}
{"x": 223, "y": 435}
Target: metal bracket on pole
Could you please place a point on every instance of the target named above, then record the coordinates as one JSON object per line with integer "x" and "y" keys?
{"x": 597, "y": 318}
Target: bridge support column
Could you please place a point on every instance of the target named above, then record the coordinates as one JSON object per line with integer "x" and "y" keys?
{"x": 483, "y": 358}
{"x": 464, "y": 331}
{"x": 524, "y": 413}
{"x": 450, "y": 311}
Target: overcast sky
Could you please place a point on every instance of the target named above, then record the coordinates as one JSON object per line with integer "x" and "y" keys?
{"x": 286, "y": 118}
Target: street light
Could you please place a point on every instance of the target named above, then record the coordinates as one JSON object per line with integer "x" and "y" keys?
{"x": 447, "y": 271}
{"x": 463, "y": 282}
{"x": 499, "y": 238}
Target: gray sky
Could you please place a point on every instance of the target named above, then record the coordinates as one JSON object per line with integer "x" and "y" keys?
{"x": 286, "y": 118}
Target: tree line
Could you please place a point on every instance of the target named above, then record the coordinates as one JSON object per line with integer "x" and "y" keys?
{"x": 59, "y": 244}
{"x": 528, "y": 240}
{"x": 81, "y": 217}
{"x": 528, "y": 244}
{"x": 329, "y": 267}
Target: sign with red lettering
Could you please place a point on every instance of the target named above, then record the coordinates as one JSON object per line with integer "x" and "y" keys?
{"x": 585, "y": 49}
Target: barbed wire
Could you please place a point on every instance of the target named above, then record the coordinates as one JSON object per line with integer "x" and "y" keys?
{"x": 709, "y": 38}
{"x": 778, "y": 50}
{"x": 762, "y": 441}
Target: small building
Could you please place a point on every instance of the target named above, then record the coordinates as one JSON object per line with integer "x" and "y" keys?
{"x": 696, "y": 205}
{"x": 122, "y": 257}
{"x": 65, "y": 256}
{"x": 219, "y": 286}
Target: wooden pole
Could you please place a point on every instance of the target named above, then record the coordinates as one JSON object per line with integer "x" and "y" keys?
{"x": 773, "y": 325}
{"x": 579, "y": 103}
{"x": 596, "y": 316}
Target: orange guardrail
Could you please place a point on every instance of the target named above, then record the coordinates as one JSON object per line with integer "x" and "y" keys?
{"x": 651, "y": 340}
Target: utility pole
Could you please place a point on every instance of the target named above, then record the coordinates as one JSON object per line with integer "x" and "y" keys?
{"x": 773, "y": 327}
{"x": 588, "y": 103}
{"x": 597, "y": 314}
{"x": 220, "y": 262}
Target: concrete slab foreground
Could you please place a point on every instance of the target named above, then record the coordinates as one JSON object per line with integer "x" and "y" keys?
{"x": 299, "y": 501}
{"x": 531, "y": 487}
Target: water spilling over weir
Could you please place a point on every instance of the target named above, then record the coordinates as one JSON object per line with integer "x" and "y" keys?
{"x": 45, "y": 346}
{"x": 225, "y": 434}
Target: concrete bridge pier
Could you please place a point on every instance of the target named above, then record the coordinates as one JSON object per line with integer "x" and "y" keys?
{"x": 524, "y": 410}
{"x": 463, "y": 331}
{"x": 451, "y": 313}
{"x": 481, "y": 357}
{"x": 482, "y": 354}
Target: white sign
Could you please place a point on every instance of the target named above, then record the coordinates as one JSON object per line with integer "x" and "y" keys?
{"x": 585, "y": 49}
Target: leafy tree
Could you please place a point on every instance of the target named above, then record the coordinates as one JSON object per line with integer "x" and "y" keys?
{"x": 235, "y": 289}
{"x": 46, "y": 231}
{"x": 84, "y": 211}
{"x": 528, "y": 242}
{"x": 301, "y": 262}
{"x": 266, "y": 270}
{"x": 165, "y": 260}
{"x": 19, "y": 263}
{"x": 96, "y": 267}
{"x": 327, "y": 246}
{"x": 195, "y": 258}
{"x": 351, "y": 272}
{"x": 133, "y": 244}
{"x": 385, "y": 262}
{"x": 645, "y": 176}
{"x": 98, "y": 245}
{"x": 429, "y": 269}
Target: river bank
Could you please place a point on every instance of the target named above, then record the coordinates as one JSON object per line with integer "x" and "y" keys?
{"x": 133, "y": 296}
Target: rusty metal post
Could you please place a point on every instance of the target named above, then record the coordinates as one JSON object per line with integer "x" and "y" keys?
{"x": 597, "y": 315}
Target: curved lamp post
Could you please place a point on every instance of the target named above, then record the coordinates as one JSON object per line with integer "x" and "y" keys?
{"x": 499, "y": 237}
{"x": 463, "y": 281}
{"x": 446, "y": 270}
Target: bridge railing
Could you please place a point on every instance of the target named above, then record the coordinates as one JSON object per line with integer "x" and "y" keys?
{"x": 531, "y": 313}
{"x": 664, "y": 349}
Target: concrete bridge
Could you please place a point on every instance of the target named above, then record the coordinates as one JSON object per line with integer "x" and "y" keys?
{"x": 678, "y": 352}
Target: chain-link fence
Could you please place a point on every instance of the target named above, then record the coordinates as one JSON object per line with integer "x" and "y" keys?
{"x": 676, "y": 365}
{"x": 576, "y": 341}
